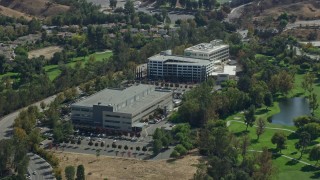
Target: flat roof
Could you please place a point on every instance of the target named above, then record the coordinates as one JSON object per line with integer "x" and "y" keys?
{"x": 179, "y": 60}
{"x": 230, "y": 70}
{"x": 113, "y": 96}
{"x": 206, "y": 47}
{"x": 144, "y": 102}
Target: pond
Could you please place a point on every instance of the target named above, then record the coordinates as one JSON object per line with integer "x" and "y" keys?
{"x": 290, "y": 109}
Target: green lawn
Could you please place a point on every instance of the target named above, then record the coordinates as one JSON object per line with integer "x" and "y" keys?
{"x": 10, "y": 74}
{"x": 54, "y": 72}
{"x": 286, "y": 168}
{"x": 298, "y": 90}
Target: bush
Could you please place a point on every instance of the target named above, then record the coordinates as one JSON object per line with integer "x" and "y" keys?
{"x": 102, "y": 144}
{"x": 108, "y": 145}
{"x": 126, "y": 147}
{"x": 119, "y": 147}
{"x": 114, "y": 145}
{"x": 181, "y": 149}
{"x": 305, "y": 65}
{"x": 138, "y": 148}
{"x": 96, "y": 144}
{"x": 144, "y": 148}
{"x": 174, "y": 154}
{"x": 90, "y": 143}
{"x": 79, "y": 141}
{"x": 131, "y": 148}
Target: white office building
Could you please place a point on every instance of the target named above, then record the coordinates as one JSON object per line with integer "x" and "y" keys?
{"x": 178, "y": 68}
{"x": 120, "y": 109}
{"x": 198, "y": 62}
{"x": 215, "y": 50}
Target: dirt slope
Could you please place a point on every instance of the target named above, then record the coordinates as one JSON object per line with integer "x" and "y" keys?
{"x": 38, "y": 8}
{"x": 12, "y": 13}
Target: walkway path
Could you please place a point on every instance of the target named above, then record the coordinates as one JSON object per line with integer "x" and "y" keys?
{"x": 285, "y": 156}
{"x": 283, "y": 129}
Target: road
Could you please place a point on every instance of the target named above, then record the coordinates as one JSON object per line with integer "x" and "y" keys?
{"x": 236, "y": 12}
{"x": 173, "y": 15}
{"x": 6, "y": 122}
{"x": 42, "y": 169}
{"x": 298, "y": 24}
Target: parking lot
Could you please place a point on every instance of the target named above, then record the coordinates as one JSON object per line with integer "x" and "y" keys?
{"x": 121, "y": 146}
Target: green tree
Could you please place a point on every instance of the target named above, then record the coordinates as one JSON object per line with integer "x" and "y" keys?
{"x": 304, "y": 141}
{"x": 181, "y": 149}
{"x": 69, "y": 172}
{"x": 98, "y": 153}
{"x": 80, "y": 172}
{"x": 113, "y": 4}
{"x": 313, "y": 103}
{"x": 245, "y": 143}
{"x": 314, "y": 154}
{"x": 129, "y": 7}
{"x": 280, "y": 140}
{"x": 261, "y": 126}
{"x": 313, "y": 129}
{"x": 249, "y": 117}
{"x": 268, "y": 100}
{"x": 307, "y": 82}
{"x": 174, "y": 154}
{"x": 157, "y": 146}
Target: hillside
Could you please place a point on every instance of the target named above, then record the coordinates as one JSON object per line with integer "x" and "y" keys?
{"x": 303, "y": 10}
{"x": 37, "y": 8}
{"x": 12, "y": 13}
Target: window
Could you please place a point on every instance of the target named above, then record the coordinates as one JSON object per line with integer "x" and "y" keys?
{"x": 110, "y": 121}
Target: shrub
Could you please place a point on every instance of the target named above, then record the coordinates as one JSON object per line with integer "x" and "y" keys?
{"x": 138, "y": 148}
{"x": 119, "y": 147}
{"x": 90, "y": 143}
{"x": 96, "y": 144}
{"x": 181, "y": 149}
{"x": 174, "y": 154}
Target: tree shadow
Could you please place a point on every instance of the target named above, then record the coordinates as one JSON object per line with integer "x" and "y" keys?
{"x": 241, "y": 133}
{"x": 254, "y": 141}
{"x": 314, "y": 142}
{"x": 292, "y": 162}
{"x": 292, "y": 136}
{"x": 171, "y": 160}
{"x": 316, "y": 175}
{"x": 275, "y": 154}
{"x": 262, "y": 111}
{"x": 299, "y": 94}
{"x": 309, "y": 168}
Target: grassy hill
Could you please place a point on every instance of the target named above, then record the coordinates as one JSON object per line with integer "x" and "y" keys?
{"x": 37, "y": 8}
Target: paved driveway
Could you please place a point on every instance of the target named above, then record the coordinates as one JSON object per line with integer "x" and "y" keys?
{"x": 42, "y": 169}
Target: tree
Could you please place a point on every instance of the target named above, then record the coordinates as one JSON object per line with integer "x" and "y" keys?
{"x": 174, "y": 154}
{"x": 144, "y": 149}
{"x": 138, "y": 148}
{"x": 245, "y": 143}
{"x": 43, "y": 105}
{"x": 280, "y": 140}
{"x": 129, "y": 7}
{"x": 97, "y": 153}
{"x": 113, "y": 4}
{"x": 315, "y": 154}
{"x": 181, "y": 149}
{"x": 126, "y": 147}
{"x": 307, "y": 83}
{"x": 157, "y": 146}
{"x": 80, "y": 172}
{"x": 69, "y": 172}
{"x": 313, "y": 103}
{"x": 249, "y": 117}
{"x": 304, "y": 140}
{"x": 261, "y": 125}
{"x": 312, "y": 128}
{"x": 268, "y": 100}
